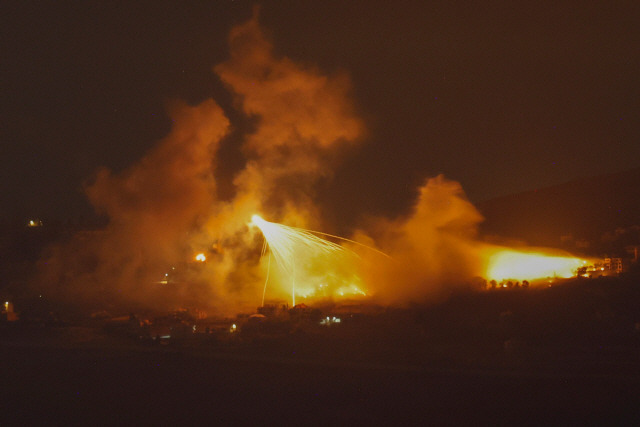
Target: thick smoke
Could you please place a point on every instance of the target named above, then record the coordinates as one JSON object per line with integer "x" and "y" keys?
{"x": 433, "y": 249}
{"x": 304, "y": 122}
{"x": 305, "y": 119}
{"x": 153, "y": 208}
{"x": 164, "y": 209}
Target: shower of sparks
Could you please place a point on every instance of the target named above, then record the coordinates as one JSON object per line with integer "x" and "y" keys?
{"x": 295, "y": 249}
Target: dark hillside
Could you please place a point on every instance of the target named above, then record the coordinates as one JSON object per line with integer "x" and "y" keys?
{"x": 581, "y": 214}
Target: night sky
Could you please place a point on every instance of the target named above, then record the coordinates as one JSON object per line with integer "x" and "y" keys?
{"x": 500, "y": 97}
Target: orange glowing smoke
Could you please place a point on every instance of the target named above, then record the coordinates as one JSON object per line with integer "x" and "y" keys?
{"x": 165, "y": 208}
{"x": 307, "y": 265}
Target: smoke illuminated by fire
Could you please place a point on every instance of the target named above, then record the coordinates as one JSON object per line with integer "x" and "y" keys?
{"x": 165, "y": 208}
{"x": 313, "y": 266}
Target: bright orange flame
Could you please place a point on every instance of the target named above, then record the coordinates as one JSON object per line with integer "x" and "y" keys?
{"x": 201, "y": 257}
{"x": 505, "y": 264}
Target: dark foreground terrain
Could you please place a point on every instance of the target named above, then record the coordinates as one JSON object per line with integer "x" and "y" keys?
{"x": 107, "y": 386}
{"x": 560, "y": 356}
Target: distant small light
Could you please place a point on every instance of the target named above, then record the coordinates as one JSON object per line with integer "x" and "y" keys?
{"x": 201, "y": 257}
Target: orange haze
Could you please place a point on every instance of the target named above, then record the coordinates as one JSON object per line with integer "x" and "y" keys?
{"x": 164, "y": 210}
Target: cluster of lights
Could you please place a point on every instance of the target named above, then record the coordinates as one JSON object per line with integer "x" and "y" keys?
{"x": 327, "y": 321}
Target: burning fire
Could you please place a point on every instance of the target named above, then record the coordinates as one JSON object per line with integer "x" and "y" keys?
{"x": 311, "y": 266}
{"x": 306, "y": 263}
{"x": 166, "y": 204}
{"x": 511, "y": 264}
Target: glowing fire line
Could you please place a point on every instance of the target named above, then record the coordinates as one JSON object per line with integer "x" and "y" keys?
{"x": 507, "y": 264}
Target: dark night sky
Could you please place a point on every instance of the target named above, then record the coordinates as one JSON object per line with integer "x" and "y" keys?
{"x": 499, "y": 97}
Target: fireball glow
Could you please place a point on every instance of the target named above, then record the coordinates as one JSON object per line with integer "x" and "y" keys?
{"x": 508, "y": 264}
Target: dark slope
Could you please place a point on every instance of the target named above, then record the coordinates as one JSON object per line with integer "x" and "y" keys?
{"x": 586, "y": 211}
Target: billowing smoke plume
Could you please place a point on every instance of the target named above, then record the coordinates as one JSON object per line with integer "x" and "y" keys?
{"x": 164, "y": 209}
{"x": 304, "y": 120}
{"x": 153, "y": 209}
{"x": 433, "y": 249}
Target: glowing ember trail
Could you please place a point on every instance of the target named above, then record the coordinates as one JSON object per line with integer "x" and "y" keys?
{"x": 306, "y": 261}
{"x": 509, "y": 264}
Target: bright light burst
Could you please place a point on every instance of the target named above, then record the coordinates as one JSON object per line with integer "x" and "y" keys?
{"x": 512, "y": 264}
{"x": 297, "y": 251}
